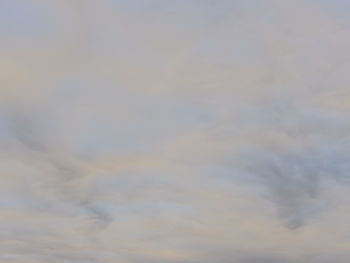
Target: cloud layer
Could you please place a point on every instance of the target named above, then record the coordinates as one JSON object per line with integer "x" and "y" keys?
{"x": 174, "y": 131}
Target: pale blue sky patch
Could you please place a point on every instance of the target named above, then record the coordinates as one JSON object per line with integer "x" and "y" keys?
{"x": 24, "y": 22}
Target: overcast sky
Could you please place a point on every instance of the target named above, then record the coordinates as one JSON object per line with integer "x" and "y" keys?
{"x": 174, "y": 131}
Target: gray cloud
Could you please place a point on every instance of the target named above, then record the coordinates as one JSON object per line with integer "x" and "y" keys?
{"x": 176, "y": 131}
{"x": 298, "y": 154}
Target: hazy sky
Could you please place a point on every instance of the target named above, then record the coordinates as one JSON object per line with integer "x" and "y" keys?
{"x": 174, "y": 131}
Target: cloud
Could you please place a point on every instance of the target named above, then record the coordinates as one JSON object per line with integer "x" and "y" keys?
{"x": 175, "y": 131}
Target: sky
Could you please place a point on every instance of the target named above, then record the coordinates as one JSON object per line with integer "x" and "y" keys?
{"x": 174, "y": 131}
